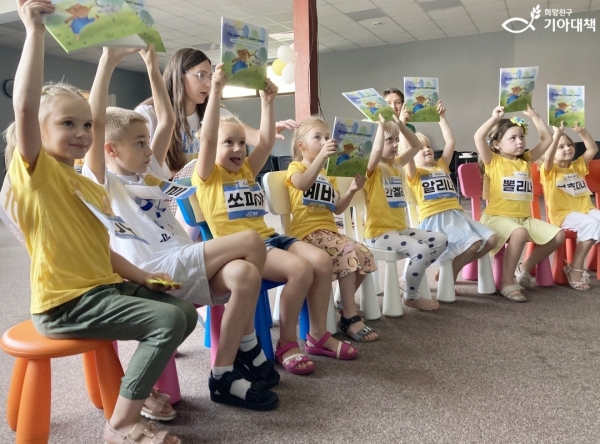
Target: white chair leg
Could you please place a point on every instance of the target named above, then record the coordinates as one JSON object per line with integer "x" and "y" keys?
{"x": 338, "y": 296}
{"x": 392, "y": 299}
{"x": 485, "y": 278}
{"x": 369, "y": 304}
{"x": 376, "y": 281}
{"x": 331, "y": 319}
{"x": 424, "y": 290}
{"x": 276, "y": 316}
{"x": 446, "y": 292}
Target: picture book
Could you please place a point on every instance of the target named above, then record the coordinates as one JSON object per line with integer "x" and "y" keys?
{"x": 421, "y": 95}
{"x": 155, "y": 188}
{"x": 103, "y": 22}
{"x": 355, "y": 142}
{"x": 516, "y": 86}
{"x": 244, "y": 53}
{"x": 566, "y": 104}
{"x": 370, "y": 103}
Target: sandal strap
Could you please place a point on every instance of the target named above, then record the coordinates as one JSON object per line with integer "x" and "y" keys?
{"x": 320, "y": 342}
{"x": 150, "y": 431}
{"x": 345, "y": 323}
{"x": 299, "y": 357}
{"x": 158, "y": 400}
{"x": 281, "y": 349}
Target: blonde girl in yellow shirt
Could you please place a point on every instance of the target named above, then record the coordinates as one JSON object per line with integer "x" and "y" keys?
{"x": 507, "y": 183}
{"x": 439, "y": 208}
{"x": 386, "y": 226}
{"x": 568, "y": 197}
{"x": 314, "y": 199}
{"x": 232, "y": 201}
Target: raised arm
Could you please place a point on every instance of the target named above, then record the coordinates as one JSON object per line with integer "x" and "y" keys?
{"x": 549, "y": 155}
{"x": 94, "y": 158}
{"x": 409, "y": 141}
{"x": 544, "y": 131}
{"x": 29, "y": 80}
{"x": 448, "y": 135}
{"x": 303, "y": 181}
{"x": 209, "y": 132}
{"x": 377, "y": 150}
{"x": 161, "y": 139}
{"x": 263, "y": 149}
{"x": 591, "y": 148}
{"x": 484, "y": 150}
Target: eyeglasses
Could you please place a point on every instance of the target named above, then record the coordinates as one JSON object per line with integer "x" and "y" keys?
{"x": 206, "y": 78}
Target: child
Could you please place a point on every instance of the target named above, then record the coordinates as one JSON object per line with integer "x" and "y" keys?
{"x": 439, "y": 208}
{"x": 312, "y": 196}
{"x": 507, "y": 183}
{"x": 568, "y": 197}
{"x": 385, "y": 225}
{"x": 232, "y": 201}
{"x": 215, "y": 272}
{"x": 77, "y": 287}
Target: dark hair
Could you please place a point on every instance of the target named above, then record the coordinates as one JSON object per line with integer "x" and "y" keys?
{"x": 178, "y": 64}
{"x": 388, "y": 91}
{"x": 495, "y": 135}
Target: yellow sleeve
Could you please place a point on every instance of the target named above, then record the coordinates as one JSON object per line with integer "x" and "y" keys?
{"x": 293, "y": 168}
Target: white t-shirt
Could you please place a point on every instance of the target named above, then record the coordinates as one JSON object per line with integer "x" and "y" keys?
{"x": 190, "y": 145}
{"x": 150, "y": 219}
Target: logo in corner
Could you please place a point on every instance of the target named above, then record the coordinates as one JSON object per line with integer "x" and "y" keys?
{"x": 535, "y": 14}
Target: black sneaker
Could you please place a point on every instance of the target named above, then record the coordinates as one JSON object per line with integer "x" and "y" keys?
{"x": 258, "y": 397}
{"x": 265, "y": 373}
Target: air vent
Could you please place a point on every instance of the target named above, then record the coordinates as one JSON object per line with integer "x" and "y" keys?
{"x": 439, "y": 4}
{"x": 283, "y": 36}
{"x": 367, "y": 14}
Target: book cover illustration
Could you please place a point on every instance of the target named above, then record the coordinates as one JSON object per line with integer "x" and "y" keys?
{"x": 370, "y": 103}
{"x": 155, "y": 188}
{"x": 516, "y": 87}
{"x": 566, "y": 104}
{"x": 421, "y": 96}
{"x": 77, "y": 26}
{"x": 355, "y": 143}
{"x": 151, "y": 34}
{"x": 244, "y": 53}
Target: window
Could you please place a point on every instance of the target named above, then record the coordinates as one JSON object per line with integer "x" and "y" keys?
{"x": 236, "y": 92}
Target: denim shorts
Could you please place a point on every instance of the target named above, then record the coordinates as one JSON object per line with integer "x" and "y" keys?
{"x": 280, "y": 241}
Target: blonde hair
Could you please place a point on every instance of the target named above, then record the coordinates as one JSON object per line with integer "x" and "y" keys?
{"x": 423, "y": 139}
{"x": 234, "y": 120}
{"x": 50, "y": 92}
{"x": 300, "y": 133}
{"x": 118, "y": 121}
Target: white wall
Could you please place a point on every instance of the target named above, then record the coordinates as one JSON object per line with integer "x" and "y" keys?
{"x": 468, "y": 69}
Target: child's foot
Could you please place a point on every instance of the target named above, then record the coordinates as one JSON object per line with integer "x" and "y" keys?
{"x": 330, "y": 347}
{"x": 356, "y": 329}
{"x": 578, "y": 279}
{"x": 293, "y": 360}
{"x": 158, "y": 407}
{"x": 142, "y": 432}
{"x": 232, "y": 389}
{"x": 422, "y": 304}
{"x": 524, "y": 278}
{"x": 255, "y": 367}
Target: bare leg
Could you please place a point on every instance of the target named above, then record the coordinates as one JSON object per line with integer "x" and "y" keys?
{"x": 125, "y": 415}
{"x": 348, "y": 286}
{"x": 296, "y": 272}
{"x": 512, "y": 255}
{"x": 464, "y": 258}
{"x": 541, "y": 252}
{"x": 319, "y": 292}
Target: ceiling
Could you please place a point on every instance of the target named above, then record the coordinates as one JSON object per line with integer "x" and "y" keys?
{"x": 343, "y": 24}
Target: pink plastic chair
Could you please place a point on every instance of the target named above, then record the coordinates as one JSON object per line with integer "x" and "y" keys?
{"x": 471, "y": 186}
{"x": 593, "y": 183}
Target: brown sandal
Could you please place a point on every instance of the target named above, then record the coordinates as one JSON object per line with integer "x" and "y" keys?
{"x": 138, "y": 432}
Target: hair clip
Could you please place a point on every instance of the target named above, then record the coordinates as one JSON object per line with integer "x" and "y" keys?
{"x": 521, "y": 122}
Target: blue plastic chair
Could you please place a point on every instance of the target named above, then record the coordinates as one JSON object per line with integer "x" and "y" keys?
{"x": 192, "y": 214}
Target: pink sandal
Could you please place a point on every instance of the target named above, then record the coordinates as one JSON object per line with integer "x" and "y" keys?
{"x": 341, "y": 353}
{"x": 154, "y": 406}
{"x": 137, "y": 433}
{"x": 291, "y": 362}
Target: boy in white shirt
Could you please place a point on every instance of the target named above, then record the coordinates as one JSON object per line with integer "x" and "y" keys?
{"x": 223, "y": 270}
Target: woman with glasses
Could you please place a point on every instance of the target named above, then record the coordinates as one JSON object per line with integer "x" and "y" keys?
{"x": 188, "y": 77}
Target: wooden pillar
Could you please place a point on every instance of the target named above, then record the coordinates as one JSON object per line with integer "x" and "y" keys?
{"x": 307, "y": 59}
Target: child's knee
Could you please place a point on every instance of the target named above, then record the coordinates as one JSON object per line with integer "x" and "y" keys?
{"x": 519, "y": 236}
{"x": 253, "y": 243}
{"x": 492, "y": 242}
{"x": 322, "y": 263}
{"x": 559, "y": 238}
{"x": 243, "y": 275}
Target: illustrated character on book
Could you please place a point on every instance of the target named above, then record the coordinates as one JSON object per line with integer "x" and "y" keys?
{"x": 242, "y": 61}
{"x": 348, "y": 148}
{"x": 79, "y": 18}
{"x": 419, "y": 104}
{"x": 561, "y": 109}
{"x": 109, "y": 7}
{"x": 373, "y": 107}
{"x": 517, "y": 92}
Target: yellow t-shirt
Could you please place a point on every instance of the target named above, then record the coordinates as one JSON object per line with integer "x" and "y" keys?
{"x": 433, "y": 190}
{"x": 507, "y": 186}
{"x": 565, "y": 190}
{"x": 312, "y": 209}
{"x": 232, "y": 202}
{"x": 385, "y": 203}
{"x": 68, "y": 245}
